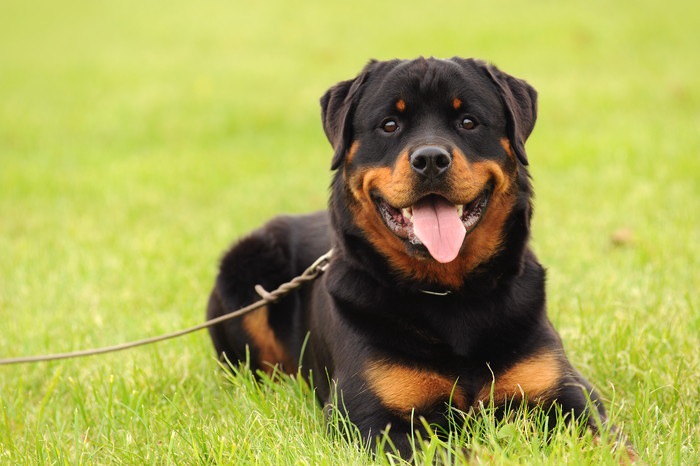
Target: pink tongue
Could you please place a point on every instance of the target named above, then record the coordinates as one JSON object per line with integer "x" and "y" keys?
{"x": 437, "y": 224}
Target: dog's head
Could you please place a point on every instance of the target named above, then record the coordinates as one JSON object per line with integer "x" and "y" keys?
{"x": 431, "y": 164}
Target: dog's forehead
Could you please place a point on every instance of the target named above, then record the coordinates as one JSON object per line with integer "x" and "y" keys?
{"x": 431, "y": 80}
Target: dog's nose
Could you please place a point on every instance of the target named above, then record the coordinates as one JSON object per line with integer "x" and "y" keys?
{"x": 430, "y": 161}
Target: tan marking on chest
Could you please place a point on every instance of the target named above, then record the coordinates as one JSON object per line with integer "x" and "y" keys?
{"x": 534, "y": 378}
{"x": 403, "y": 389}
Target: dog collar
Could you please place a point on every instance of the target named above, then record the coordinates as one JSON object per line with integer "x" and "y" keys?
{"x": 436, "y": 293}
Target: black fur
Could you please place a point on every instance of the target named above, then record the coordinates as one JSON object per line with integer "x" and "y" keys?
{"x": 364, "y": 309}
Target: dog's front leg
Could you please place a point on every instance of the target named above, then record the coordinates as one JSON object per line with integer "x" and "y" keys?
{"x": 389, "y": 402}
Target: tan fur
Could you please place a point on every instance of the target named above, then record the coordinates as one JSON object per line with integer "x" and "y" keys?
{"x": 350, "y": 155}
{"x": 533, "y": 378}
{"x": 403, "y": 389}
{"x": 465, "y": 182}
{"x": 505, "y": 143}
{"x": 271, "y": 351}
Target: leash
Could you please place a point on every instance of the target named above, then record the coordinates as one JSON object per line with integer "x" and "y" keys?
{"x": 310, "y": 274}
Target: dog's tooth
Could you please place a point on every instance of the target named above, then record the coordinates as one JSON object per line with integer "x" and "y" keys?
{"x": 460, "y": 210}
{"x": 407, "y": 213}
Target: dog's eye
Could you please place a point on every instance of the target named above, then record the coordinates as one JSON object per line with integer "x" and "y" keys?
{"x": 467, "y": 123}
{"x": 389, "y": 126}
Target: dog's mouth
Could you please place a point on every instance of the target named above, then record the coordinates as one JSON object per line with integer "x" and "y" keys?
{"x": 435, "y": 223}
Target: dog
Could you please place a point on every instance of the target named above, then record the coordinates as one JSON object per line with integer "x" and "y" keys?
{"x": 433, "y": 297}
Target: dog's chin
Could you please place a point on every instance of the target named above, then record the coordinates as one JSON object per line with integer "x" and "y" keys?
{"x": 400, "y": 220}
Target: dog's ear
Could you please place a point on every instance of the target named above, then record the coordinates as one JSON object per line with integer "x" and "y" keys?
{"x": 337, "y": 108}
{"x": 520, "y": 100}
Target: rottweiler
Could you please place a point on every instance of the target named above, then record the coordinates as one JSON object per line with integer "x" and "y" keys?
{"x": 433, "y": 297}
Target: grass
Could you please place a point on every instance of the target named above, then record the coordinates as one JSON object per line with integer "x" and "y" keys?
{"x": 137, "y": 139}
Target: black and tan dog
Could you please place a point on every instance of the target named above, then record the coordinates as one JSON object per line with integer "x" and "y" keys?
{"x": 433, "y": 295}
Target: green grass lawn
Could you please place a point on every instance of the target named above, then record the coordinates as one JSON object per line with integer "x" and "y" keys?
{"x": 138, "y": 139}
